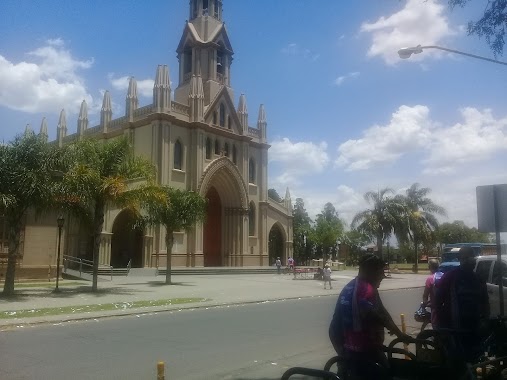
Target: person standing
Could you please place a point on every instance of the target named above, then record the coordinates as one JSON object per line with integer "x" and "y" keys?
{"x": 357, "y": 328}
{"x": 429, "y": 290}
{"x": 278, "y": 264}
{"x": 327, "y": 276}
{"x": 462, "y": 305}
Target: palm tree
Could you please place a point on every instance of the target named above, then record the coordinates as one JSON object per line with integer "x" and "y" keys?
{"x": 421, "y": 217}
{"x": 100, "y": 174}
{"x": 176, "y": 210}
{"x": 386, "y": 217}
{"x": 26, "y": 165}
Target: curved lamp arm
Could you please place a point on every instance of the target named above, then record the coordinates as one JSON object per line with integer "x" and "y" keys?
{"x": 405, "y": 53}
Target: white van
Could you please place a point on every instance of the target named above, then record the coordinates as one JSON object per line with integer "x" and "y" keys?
{"x": 488, "y": 270}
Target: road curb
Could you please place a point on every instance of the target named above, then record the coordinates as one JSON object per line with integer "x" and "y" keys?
{"x": 29, "y": 322}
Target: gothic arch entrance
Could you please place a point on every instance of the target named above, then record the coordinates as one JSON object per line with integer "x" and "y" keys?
{"x": 126, "y": 242}
{"x": 225, "y": 231}
{"x": 276, "y": 244}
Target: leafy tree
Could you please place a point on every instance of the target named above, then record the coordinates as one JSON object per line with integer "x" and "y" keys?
{"x": 102, "y": 173}
{"x": 387, "y": 216}
{"x": 458, "y": 232}
{"x": 26, "y": 165}
{"x": 420, "y": 214}
{"x": 301, "y": 230}
{"x": 176, "y": 210}
{"x": 327, "y": 230}
{"x": 354, "y": 241}
{"x": 273, "y": 194}
{"x": 492, "y": 25}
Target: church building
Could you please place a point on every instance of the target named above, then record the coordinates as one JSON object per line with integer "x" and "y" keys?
{"x": 199, "y": 140}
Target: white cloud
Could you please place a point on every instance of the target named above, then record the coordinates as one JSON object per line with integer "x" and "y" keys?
{"x": 298, "y": 159}
{"x": 477, "y": 138}
{"x": 339, "y": 81}
{"x": 419, "y": 22}
{"x": 48, "y": 83}
{"x": 408, "y": 130}
{"x": 144, "y": 87}
{"x": 294, "y": 50}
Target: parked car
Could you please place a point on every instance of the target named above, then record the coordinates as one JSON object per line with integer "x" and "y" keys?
{"x": 488, "y": 269}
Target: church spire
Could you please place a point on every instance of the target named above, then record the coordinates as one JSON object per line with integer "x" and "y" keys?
{"x": 61, "y": 130}
{"x": 203, "y": 8}
{"x": 106, "y": 112}
{"x": 131, "y": 102}
{"x": 162, "y": 90}
{"x": 82, "y": 121}
{"x": 261, "y": 122}
{"x": 243, "y": 113}
{"x": 44, "y": 129}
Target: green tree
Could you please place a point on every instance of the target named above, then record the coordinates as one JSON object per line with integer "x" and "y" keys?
{"x": 387, "y": 216}
{"x": 354, "y": 240}
{"x": 176, "y": 210}
{"x": 26, "y": 167}
{"x": 492, "y": 25}
{"x": 327, "y": 231}
{"x": 301, "y": 230}
{"x": 101, "y": 174}
{"x": 273, "y": 194}
{"x": 420, "y": 215}
{"x": 459, "y": 232}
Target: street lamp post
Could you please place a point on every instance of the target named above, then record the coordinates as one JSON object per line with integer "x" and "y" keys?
{"x": 407, "y": 52}
{"x": 60, "y": 221}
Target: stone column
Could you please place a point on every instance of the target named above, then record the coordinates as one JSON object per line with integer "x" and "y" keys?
{"x": 105, "y": 248}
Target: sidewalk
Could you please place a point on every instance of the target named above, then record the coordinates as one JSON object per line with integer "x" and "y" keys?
{"x": 217, "y": 290}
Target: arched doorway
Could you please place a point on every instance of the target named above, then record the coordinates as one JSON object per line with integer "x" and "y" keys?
{"x": 126, "y": 242}
{"x": 212, "y": 246}
{"x": 276, "y": 244}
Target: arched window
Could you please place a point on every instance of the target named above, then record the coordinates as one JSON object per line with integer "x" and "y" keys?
{"x": 226, "y": 149}
{"x": 251, "y": 171}
{"x": 234, "y": 154}
{"x": 229, "y": 122}
{"x": 222, "y": 115}
{"x": 215, "y": 118}
{"x": 208, "y": 148}
{"x": 178, "y": 155}
{"x": 217, "y": 147}
{"x": 251, "y": 219}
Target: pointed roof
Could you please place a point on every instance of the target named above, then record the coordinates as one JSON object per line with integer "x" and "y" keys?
{"x": 220, "y": 33}
{"x": 262, "y": 114}
{"x": 223, "y": 94}
{"x": 162, "y": 77}
{"x": 132, "y": 92}
{"x": 62, "y": 122}
{"x": 287, "y": 193}
{"x": 106, "y": 102}
{"x": 83, "y": 112}
{"x": 242, "y": 108}
{"x": 28, "y": 129}
{"x": 44, "y": 128}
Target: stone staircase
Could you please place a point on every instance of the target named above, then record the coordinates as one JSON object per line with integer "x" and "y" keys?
{"x": 179, "y": 271}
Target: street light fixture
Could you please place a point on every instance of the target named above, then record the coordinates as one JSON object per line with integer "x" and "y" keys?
{"x": 60, "y": 221}
{"x": 407, "y": 52}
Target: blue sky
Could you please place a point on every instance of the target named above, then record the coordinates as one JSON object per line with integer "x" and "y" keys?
{"x": 345, "y": 114}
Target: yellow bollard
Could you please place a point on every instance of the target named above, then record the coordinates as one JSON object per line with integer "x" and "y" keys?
{"x": 160, "y": 371}
{"x": 404, "y": 331}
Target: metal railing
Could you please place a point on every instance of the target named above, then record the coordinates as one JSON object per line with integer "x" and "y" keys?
{"x": 69, "y": 260}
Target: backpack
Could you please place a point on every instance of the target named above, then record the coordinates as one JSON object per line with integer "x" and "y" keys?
{"x": 437, "y": 277}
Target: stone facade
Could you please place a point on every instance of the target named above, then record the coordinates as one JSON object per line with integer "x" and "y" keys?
{"x": 198, "y": 141}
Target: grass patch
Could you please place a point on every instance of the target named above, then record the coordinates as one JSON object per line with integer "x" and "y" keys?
{"x": 31, "y": 313}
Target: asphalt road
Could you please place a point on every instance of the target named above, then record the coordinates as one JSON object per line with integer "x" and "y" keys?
{"x": 254, "y": 341}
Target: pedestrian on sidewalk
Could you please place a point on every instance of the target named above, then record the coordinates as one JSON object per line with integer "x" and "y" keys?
{"x": 278, "y": 264}
{"x": 429, "y": 291}
{"x": 327, "y": 276}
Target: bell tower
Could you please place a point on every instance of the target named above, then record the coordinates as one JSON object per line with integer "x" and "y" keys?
{"x": 204, "y": 50}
